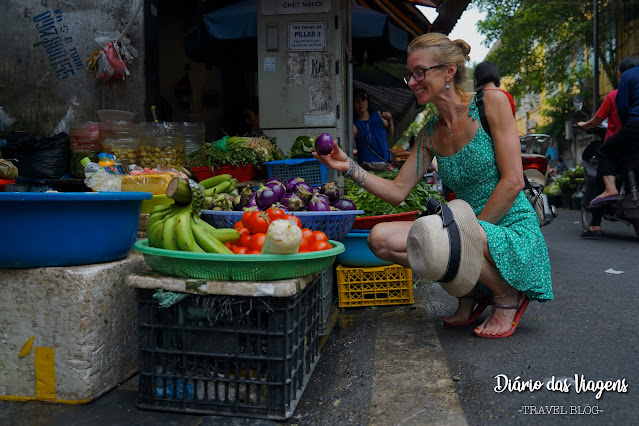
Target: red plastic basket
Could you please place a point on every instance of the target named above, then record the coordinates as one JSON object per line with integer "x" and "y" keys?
{"x": 370, "y": 221}
{"x": 243, "y": 173}
{"x": 202, "y": 173}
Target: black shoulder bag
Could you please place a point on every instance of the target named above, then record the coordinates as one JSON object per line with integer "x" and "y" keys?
{"x": 533, "y": 194}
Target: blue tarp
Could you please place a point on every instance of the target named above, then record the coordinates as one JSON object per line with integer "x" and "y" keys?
{"x": 239, "y": 21}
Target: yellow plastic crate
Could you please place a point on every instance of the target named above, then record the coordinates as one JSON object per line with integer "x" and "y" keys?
{"x": 369, "y": 286}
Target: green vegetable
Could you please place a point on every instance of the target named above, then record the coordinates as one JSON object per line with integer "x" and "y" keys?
{"x": 236, "y": 151}
{"x": 374, "y": 206}
{"x": 302, "y": 148}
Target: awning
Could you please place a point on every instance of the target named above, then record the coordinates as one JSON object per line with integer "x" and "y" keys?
{"x": 239, "y": 21}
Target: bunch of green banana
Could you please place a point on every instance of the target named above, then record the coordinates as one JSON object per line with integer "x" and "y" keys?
{"x": 178, "y": 226}
{"x": 219, "y": 184}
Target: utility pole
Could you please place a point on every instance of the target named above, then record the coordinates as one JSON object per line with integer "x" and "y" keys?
{"x": 595, "y": 33}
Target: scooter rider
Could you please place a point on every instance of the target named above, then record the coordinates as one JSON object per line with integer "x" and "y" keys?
{"x": 607, "y": 110}
{"x": 626, "y": 141}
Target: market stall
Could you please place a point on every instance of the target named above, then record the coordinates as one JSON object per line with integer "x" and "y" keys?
{"x": 215, "y": 286}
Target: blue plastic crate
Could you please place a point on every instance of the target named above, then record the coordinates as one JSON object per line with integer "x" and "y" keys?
{"x": 335, "y": 224}
{"x": 312, "y": 171}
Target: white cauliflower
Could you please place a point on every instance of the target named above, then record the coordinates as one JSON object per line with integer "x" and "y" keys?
{"x": 282, "y": 237}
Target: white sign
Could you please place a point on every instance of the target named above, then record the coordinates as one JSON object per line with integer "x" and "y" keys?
{"x": 283, "y": 7}
{"x": 269, "y": 64}
{"x": 307, "y": 36}
{"x": 324, "y": 120}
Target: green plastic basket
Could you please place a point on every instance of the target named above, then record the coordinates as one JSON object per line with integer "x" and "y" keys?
{"x": 238, "y": 267}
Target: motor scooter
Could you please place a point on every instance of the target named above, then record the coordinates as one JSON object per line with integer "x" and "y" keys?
{"x": 626, "y": 207}
{"x": 536, "y": 170}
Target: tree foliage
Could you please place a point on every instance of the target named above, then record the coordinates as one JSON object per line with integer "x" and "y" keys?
{"x": 537, "y": 39}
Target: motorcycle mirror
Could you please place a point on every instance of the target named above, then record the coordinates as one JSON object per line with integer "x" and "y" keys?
{"x": 578, "y": 102}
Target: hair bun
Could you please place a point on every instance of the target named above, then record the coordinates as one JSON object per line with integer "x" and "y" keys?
{"x": 464, "y": 47}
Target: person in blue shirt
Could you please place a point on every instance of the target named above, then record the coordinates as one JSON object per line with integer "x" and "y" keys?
{"x": 372, "y": 130}
{"x": 626, "y": 140}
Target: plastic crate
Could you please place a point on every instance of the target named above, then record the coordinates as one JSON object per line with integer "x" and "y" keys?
{"x": 312, "y": 171}
{"x": 335, "y": 224}
{"x": 326, "y": 299}
{"x": 228, "y": 355}
{"x": 368, "y": 222}
{"x": 384, "y": 285}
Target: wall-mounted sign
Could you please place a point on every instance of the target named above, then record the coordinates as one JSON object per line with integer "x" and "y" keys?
{"x": 283, "y": 7}
{"x": 307, "y": 36}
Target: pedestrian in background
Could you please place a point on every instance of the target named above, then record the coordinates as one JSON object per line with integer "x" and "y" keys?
{"x": 371, "y": 130}
{"x": 607, "y": 110}
{"x": 486, "y": 77}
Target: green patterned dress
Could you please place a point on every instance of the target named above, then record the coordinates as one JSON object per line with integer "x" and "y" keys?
{"x": 515, "y": 242}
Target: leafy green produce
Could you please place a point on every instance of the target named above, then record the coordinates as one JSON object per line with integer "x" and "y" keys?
{"x": 236, "y": 151}
{"x": 302, "y": 148}
{"x": 553, "y": 189}
{"x": 374, "y": 206}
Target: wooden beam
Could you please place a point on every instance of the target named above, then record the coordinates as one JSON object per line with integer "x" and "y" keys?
{"x": 396, "y": 20}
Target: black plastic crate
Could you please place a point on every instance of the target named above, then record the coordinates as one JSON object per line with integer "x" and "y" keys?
{"x": 228, "y": 355}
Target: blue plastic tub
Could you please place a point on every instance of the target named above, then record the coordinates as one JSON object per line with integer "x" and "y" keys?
{"x": 67, "y": 228}
{"x": 357, "y": 253}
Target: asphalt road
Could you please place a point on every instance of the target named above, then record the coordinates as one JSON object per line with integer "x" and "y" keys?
{"x": 588, "y": 330}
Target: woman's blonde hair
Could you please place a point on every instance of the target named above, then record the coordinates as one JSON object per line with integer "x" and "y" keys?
{"x": 446, "y": 52}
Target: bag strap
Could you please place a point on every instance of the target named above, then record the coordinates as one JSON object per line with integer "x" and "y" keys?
{"x": 479, "y": 102}
{"x": 434, "y": 206}
{"x": 484, "y": 123}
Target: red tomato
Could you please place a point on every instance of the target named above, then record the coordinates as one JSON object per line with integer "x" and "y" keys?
{"x": 258, "y": 222}
{"x": 307, "y": 234}
{"x": 245, "y": 240}
{"x": 320, "y": 236}
{"x": 257, "y": 241}
{"x": 320, "y": 245}
{"x": 238, "y": 224}
{"x": 245, "y": 217}
{"x": 275, "y": 213}
{"x": 304, "y": 246}
{"x": 295, "y": 219}
{"x": 242, "y": 230}
{"x": 253, "y": 252}
{"x": 241, "y": 250}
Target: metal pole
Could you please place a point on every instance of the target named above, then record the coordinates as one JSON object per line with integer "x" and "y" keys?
{"x": 595, "y": 86}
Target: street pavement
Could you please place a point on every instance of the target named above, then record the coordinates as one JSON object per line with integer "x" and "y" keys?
{"x": 398, "y": 365}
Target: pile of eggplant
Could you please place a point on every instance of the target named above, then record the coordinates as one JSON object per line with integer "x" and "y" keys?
{"x": 293, "y": 195}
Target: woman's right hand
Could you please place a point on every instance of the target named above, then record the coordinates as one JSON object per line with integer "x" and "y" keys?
{"x": 336, "y": 160}
{"x": 583, "y": 125}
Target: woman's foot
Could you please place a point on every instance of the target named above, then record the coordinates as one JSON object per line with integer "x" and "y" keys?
{"x": 504, "y": 316}
{"x": 470, "y": 307}
{"x": 608, "y": 194}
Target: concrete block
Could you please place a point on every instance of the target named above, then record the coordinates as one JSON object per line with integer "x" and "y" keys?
{"x": 67, "y": 334}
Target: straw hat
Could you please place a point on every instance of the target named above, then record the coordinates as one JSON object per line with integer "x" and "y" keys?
{"x": 442, "y": 254}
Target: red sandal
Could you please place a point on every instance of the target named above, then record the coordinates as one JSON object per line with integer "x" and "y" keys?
{"x": 521, "y": 308}
{"x": 480, "y": 305}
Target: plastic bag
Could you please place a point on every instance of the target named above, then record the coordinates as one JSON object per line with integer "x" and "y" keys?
{"x": 40, "y": 158}
{"x": 104, "y": 181}
{"x": 69, "y": 117}
{"x": 110, "y": 64}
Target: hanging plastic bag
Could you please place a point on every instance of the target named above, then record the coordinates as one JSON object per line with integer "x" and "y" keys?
{"x": 110, "y": 62}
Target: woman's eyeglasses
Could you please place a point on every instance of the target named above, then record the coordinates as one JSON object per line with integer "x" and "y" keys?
{"x": 419, "y": 75}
